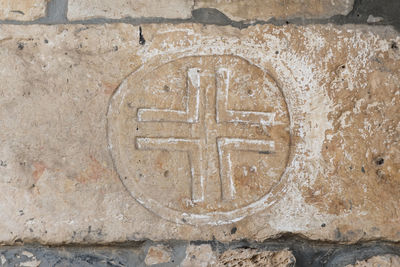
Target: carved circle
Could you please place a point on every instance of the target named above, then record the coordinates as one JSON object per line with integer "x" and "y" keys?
{"x": 200, "y": 139}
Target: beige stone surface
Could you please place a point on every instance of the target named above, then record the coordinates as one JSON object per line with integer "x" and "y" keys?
{"x": 116, "y": 9}
{"x": 157, "y": 255}
{"x": 254, "y": 258}
{"x": 379, "y": 261}
{"x": 24, "y": 10}
{"x": 203, "y": 132}
{"x": 199, "y": 256}
{"x": 239, "y": 10}
{"x": 267, "y": 9}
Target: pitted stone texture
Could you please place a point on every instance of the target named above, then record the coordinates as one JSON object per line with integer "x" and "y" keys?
{"x": 60, "y": 177}
{"x": 116, "y": 9}
{"x": 267, "y": 9}
{"x": 22, "y": 10}
{"x": 204, "y": 256}
{"x": 379, "y": 261}
{"x": 254, "y": 258}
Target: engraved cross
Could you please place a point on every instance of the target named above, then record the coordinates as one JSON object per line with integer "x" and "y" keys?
{"x": 209, "y": 115}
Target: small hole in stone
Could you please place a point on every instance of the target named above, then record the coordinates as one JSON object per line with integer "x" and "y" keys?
{"x": 323, "y": 225}
{"x": 166, "y": 88}
{"x": 233, "y": 230}
{"x": 394, "y": 45}
{"x": 343, "y": 66}
{"x": 379, "y": 161}
{"x": 358, "y": 15}
{"x": 142, "y": 41}
{"x": 250, "y": 92}
{"x": 287, "y": 22}
{"x": 46, "y": 41}
{"x": 166, "y": 174}
{"x": 362, "y": 169}
{"x": 277, "y": 52}
{"x": 21, "y": 46}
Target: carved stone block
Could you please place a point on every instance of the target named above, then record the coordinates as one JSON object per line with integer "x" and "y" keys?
{"x": 115, "y": 133}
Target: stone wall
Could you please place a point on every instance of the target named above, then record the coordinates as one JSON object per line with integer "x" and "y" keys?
{"x": 199, "y": 133}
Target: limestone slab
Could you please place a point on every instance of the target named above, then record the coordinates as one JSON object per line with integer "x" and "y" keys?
{"x": 267, "y": 9}
{"x": 87, "y": 9}
{"x": 200, "y": 132}
{"x": 22, "y": 10}
{"x": 237, "y": 10}
{"x": 381, "y": 261}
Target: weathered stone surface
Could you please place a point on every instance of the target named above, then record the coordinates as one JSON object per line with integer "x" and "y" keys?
{"x": 254, "y": 258}
{"x": 379, "y": 261}
{"x": 157, "y": 255}
{"x": 102, "y": 134}
{"x": 267, "y": 9}
{"x": 199, "y": 256}
{"x": 22, "y": 10}
{"x": 116, "y": 9}
{"x": 239, "y": 10}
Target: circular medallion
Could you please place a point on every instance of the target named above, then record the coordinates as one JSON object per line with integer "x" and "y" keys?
{"x": 200, "y": 139}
